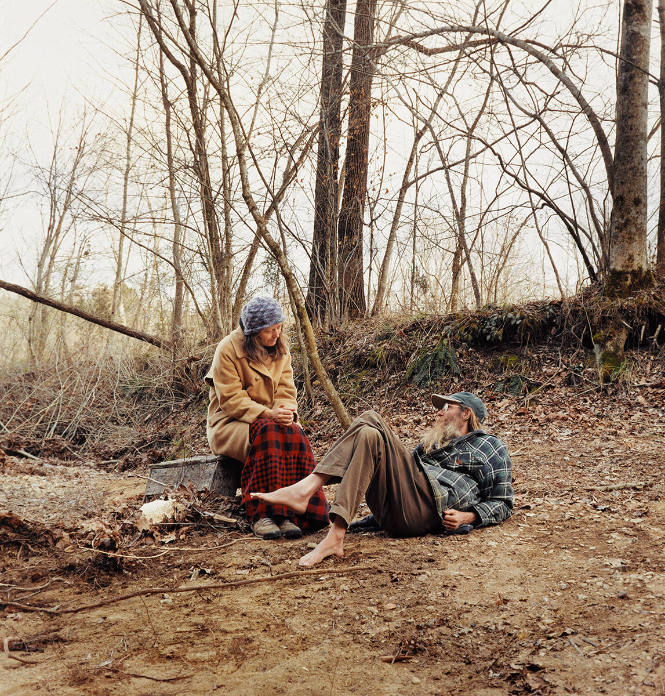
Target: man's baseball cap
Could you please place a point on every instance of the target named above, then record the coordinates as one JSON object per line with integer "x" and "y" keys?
{"x": 466, "y": 399}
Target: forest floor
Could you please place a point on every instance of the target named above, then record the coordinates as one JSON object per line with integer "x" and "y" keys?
{"x": 566, "y": 597}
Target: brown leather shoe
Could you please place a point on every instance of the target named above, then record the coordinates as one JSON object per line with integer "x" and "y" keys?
{"x": 290, "y": 530}
{"x": 266, "y": 529}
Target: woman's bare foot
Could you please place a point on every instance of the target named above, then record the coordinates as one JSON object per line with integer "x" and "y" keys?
{"x": 296, "y": 496}
{"x": 331, "y": 545}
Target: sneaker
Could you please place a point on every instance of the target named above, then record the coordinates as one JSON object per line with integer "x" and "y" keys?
{"x": 266, "y": 529}
{"x": 365, "y": 524}
{"x": 290, "y": 530}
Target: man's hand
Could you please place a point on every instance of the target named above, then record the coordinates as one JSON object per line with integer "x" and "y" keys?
{"x": 452, "y": 519}
{"x": 281, "y": 415}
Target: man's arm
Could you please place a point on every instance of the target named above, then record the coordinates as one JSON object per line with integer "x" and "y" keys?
{"x": 498, "y": 496}
{"x": 452, "y": 519}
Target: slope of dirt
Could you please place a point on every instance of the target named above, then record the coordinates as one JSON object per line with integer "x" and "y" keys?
{"x": 566, "y": 597}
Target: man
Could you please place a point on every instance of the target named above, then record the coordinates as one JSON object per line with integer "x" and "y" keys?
{"x": 458, "y": 475}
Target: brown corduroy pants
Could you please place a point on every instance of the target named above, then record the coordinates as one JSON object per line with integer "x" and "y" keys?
{"x": 370, "y": 460}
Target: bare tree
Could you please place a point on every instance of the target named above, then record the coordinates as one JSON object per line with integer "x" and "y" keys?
{"x": 322, "y": 287}
{"x": 350, "y": 224}
{"x": 628, "y": 224}
{"x": 660, "y": 242}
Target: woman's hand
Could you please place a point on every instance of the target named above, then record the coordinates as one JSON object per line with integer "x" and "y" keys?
{"x": 281, "y": 415}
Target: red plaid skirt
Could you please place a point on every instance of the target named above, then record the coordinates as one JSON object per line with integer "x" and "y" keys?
{"x": 279, "y": 456}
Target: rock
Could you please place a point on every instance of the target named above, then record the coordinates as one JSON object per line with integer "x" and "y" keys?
{"x": 157, "y": 511}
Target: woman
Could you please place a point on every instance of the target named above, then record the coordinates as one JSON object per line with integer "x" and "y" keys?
{"x": 252, "y": 418}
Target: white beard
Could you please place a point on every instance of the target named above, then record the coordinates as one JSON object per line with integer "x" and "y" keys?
{"x": 439, "y": 435}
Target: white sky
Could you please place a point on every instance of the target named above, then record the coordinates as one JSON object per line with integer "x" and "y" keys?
{"x": 73, "y": 54}
{"x": 70, "y": 55}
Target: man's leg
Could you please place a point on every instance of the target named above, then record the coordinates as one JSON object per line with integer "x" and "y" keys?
{"x": 368, "y": 455}
{"x": 333, "y": 466}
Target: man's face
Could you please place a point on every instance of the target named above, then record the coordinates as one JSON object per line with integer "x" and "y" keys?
{"x": 453, "y": 419}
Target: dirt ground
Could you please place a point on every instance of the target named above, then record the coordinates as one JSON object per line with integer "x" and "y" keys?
{"x": 566, "y": 597}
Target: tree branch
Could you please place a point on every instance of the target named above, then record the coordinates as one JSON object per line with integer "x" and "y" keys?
{"x": 82, "y": 314}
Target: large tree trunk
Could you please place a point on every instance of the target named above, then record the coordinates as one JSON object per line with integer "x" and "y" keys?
{"x": 350, "y": 227}
{"x": 323, "y": 267}
{"x": 660, "y": 244}
{"x": 628, "y": 224}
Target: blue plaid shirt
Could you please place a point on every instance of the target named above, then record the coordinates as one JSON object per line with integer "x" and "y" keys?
{"x": 472, "y": 473}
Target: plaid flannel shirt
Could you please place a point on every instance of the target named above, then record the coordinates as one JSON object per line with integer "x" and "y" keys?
{"x": 471, "y": 473}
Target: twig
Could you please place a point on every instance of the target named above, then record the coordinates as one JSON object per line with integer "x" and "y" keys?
{"x": 619, "y": 486}
{"x": 576, "y": 646}
{"x": 146, "y": 676}
{"x": 31, "y": 589}
{"x": 152, "y": 625}
{"x": 148, "y": 478}
{"x": 196, "y": 588}
{"x": 20, "y": 452}
{"x": 589, "y": 641}
{"x": 6, "y": 650}
{"x": 115, "y": 554}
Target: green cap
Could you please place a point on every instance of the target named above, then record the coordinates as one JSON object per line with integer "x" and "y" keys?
{"x": 466, "y": 399}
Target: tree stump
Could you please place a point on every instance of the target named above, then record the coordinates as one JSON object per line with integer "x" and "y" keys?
{"x": 215, "y": 473}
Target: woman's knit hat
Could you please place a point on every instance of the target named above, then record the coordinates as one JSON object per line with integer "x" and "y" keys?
{"x": 260, "y": 313}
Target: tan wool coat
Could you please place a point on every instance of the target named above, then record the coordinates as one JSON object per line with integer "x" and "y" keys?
{"x": 240, "y": 391}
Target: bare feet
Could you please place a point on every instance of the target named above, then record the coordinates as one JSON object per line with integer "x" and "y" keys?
{"x": 295, "y": 497}
{"x": 331, "y": 545}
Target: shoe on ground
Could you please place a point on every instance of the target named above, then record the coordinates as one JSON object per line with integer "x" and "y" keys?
{"x": 290, "y": 530}
{"x": 366, "y": 524}
{"x": 266, "y": 529}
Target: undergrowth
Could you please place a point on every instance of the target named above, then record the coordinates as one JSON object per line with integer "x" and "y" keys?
{"x": 128, "y": 410}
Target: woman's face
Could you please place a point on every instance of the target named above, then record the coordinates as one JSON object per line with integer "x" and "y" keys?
{"x": 268, "y": 336}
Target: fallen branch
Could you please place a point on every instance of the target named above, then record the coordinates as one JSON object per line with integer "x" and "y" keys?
{"x": 18, "y": 453}
{"x": 177, "y": 590}
{"x": 619, "y": 486}
{"x": 115, "y": 554}
{"x": 82, "y": 314}
{"x": 146, "y": 676}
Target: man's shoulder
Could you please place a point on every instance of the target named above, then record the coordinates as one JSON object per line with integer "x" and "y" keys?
{"x": 490, "y": 445}
{"x": 484, "y": 436}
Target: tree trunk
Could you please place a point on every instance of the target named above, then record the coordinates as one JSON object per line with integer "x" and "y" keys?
{"x": 116, "y": 300}
{"x": 323, "y": 267}
{"x": 660, "y": 244}
{"x": 178, "y": 295}
{"x": 350, "y": 226}
{"x": 627, "y": 270}
{"x": 628, "y": 223}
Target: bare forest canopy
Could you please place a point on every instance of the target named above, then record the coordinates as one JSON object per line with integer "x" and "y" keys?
{"x": 353, "y": 159}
